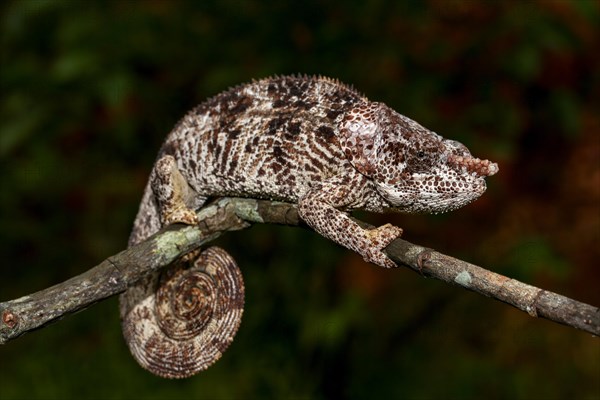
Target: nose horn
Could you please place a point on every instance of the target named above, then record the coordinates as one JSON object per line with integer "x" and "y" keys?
{"x": 479, "y": 167}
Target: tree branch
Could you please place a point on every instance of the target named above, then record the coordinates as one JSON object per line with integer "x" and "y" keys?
{"x": 117, "y": 272}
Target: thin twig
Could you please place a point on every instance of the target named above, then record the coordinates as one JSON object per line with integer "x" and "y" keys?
{"x": 117, "y": 272}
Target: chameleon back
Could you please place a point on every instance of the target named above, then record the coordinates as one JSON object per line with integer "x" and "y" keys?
{"x": 267, "y": 139}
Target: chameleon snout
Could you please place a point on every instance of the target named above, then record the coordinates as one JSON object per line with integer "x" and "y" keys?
{"x": 481, "y": 168}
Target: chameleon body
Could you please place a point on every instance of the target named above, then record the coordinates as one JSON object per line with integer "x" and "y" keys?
{"x": 312, "y": 141}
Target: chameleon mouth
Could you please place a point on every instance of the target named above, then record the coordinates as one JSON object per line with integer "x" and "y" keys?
{"x": 480, "y": 168}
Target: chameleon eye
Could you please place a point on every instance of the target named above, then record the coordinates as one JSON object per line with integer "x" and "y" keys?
{"x": 421, "y": 154}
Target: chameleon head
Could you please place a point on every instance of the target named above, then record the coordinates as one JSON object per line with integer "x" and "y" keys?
{"x": 413, "y": 168}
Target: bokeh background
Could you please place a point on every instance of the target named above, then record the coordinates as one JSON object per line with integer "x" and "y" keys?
{"x": 89, "y": 90}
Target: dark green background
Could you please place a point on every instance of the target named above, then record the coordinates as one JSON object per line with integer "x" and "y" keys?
{"x": 89, "y": 89}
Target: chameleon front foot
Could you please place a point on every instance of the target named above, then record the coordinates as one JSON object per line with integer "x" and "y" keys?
{"x": 379, "y": 239}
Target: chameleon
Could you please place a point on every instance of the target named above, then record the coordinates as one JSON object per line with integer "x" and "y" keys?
{"x": 308, "y": 140}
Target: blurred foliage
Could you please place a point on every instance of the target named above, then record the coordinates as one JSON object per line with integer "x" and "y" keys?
{"x": 90, "y": 88}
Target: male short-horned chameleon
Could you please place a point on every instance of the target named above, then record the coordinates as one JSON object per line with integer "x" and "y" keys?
{"x": 312, "y": 141}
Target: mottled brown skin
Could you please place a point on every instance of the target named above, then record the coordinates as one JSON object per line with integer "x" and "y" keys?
{"x": 311, "y": 141}
{"x": 180, "y": 322}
